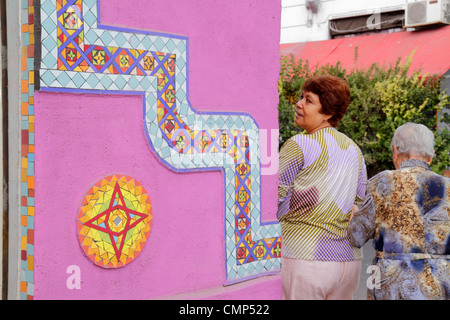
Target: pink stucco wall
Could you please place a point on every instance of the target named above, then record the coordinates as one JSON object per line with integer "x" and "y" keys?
{"x": 233, "y": 66}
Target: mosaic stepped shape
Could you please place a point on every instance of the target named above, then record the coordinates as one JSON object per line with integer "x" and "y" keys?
{"x": 79, "y": 55}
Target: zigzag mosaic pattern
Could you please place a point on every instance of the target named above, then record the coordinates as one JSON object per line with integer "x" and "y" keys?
{"x": 78, "y": 54}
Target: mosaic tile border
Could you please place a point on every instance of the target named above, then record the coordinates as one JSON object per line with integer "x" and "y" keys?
{"x": 27, "y": 178}
{"x": 78, "y": 54}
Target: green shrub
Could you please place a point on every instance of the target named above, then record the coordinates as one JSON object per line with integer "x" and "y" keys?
{"x": 382, "y": 99}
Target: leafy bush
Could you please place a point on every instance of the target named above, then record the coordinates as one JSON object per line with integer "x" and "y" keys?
{"x": 382, "y": 99}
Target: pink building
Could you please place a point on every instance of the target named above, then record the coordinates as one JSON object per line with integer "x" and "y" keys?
{"x": 149, "y": 150}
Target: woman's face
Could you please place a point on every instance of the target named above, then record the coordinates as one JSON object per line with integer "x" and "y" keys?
{"x": 308, "y": 116}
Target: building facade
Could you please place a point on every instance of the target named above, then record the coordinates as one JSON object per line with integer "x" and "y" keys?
{"x": 317, "y": 20}
{"x": 133, "y": 164}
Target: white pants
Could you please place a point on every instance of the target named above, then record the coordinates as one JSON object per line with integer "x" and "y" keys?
{"x": 319, "y": 280}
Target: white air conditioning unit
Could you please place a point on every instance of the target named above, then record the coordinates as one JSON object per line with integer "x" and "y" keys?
{"x": 427, "y": 12}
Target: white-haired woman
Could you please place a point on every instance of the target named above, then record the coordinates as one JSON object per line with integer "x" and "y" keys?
{"x": 407, "y": 213}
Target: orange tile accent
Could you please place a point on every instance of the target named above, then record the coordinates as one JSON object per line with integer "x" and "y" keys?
{"x": 23, "y": 286}
{"x": 24, "y": 109}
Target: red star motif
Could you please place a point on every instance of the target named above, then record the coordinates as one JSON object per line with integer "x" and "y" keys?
{"x": 114, "y": 215}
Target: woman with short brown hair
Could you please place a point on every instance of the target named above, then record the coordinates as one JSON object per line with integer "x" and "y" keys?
{"x": 334, "y": 95}
{"x": 322, "y": 175}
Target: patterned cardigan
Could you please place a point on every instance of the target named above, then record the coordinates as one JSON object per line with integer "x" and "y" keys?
{"x": 407, "y": 213}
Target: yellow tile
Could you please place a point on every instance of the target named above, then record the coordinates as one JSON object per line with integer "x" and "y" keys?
{"x": 24, "y": 175}
{"x": 31, "y": 38}
{"x": 30, "y": 263}
{"x": 31, "y": 77}
{"x": 24, "y": 243}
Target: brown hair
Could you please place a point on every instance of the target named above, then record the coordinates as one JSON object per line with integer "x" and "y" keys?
{"x": 334, "y": 95}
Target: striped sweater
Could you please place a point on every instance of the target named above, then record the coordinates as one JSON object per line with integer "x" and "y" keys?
{"x": 321, "y": 176}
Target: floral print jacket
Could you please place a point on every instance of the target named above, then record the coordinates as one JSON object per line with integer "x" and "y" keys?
{"x": 407, "y": 213}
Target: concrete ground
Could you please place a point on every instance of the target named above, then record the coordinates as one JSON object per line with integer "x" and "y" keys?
{"x": 368, "y": 255}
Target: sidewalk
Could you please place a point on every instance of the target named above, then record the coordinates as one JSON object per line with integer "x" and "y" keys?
{"x": 368, "y": 255}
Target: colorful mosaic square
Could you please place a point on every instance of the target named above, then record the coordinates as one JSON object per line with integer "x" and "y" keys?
{"x": 114, "y": 221}
{"x": 79, "y": 55}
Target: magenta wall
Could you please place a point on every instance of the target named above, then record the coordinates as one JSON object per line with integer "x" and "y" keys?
{"x": 233, "y": 66}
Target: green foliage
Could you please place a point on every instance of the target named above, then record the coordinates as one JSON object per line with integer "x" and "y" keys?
{"x": 382, "y": 99}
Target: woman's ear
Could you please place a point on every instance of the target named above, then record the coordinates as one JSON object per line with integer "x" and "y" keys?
{"x": 395, "y": 157}
{"x": 394, "y": 153}
{"x": 327, "y": 117}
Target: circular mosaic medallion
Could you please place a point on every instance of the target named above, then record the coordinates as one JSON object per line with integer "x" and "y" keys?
{"x": 114, "y": 221}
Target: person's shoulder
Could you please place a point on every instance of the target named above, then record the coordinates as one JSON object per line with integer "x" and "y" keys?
{"x": 338, "y": 134}
{"x": 291, "y": 140}
{"x": 291, "y": 143}
{"x": 383, "y": 175}
{"x": 443, "y": 178}
{"x": 347, "y": 139}
{"x": 446, "y": 179}
{"x": 299, "y": 138}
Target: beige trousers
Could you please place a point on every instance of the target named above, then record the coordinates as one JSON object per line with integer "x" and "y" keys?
{"x": 319, "y": 280}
